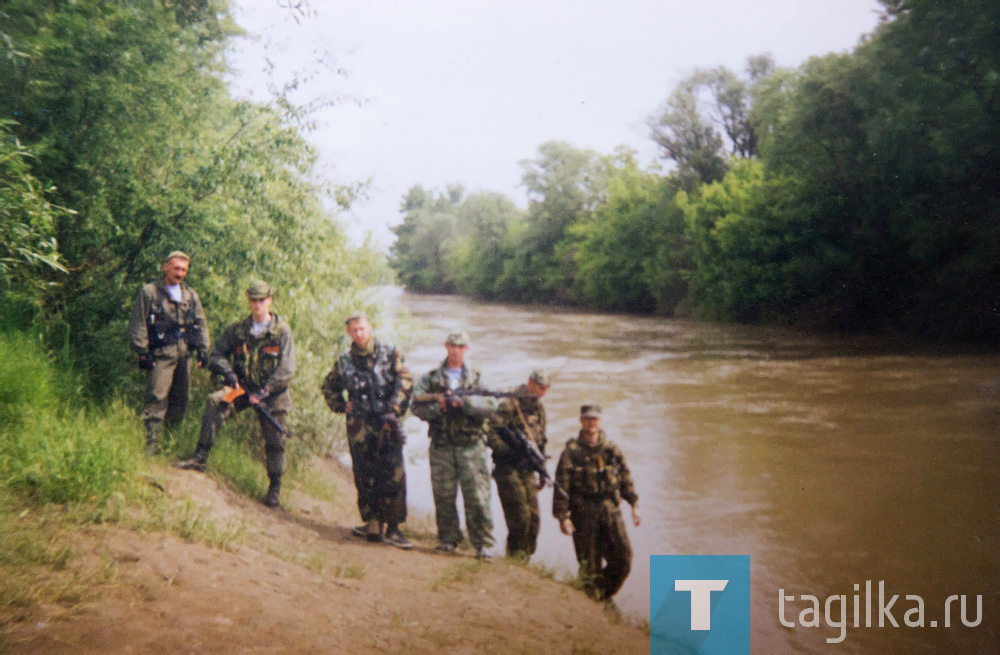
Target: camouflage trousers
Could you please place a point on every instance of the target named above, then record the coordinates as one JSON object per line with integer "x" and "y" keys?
{"x": 465, "y": 466}
{"x": 518, "y": 491}
{"x": 217, "y": 411}
{"x": 167, "y": 388}
{"x": 379, "y": 472}
{"x": 602, "y": 546}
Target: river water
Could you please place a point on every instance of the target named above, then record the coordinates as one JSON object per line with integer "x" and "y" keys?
{"x": 829, "y": 461}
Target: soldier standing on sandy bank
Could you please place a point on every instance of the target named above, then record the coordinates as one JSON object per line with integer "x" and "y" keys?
{"x": 458, "y": 431}
{"x": 517, "y": 482}
{"x": 377, "y": 383}
{"x": 167, "y": 323}
{"x": 256, "y": 356}
{"x": 593, "y": 472}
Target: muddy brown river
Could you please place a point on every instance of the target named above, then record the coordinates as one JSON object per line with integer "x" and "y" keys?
{"x": 830, "y": 461}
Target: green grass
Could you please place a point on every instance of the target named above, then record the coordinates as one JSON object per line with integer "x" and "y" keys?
{"x": 462, "y": 572}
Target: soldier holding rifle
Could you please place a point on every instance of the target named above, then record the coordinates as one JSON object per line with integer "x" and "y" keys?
{"x": 517, "y": 480}
{"x": 458, "y": 430}
{"x": 372, "y": 385}
{"x": 256, "y": 359}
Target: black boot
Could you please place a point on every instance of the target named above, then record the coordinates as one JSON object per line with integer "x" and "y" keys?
{"x": 196, "y": 462}
{"x": 271, "y": 500}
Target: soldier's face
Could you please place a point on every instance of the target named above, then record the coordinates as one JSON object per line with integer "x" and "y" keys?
{"x": 360, "y": 332}
{"x": 591, "y": 424}
{"x": 260, "y": 308}
{"x": 456, "y": 354}
{"x": 536, "y": 389}
{"x": 174, "y": 270}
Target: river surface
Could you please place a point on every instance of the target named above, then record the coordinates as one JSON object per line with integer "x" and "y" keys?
{"x": 829, "y": 461}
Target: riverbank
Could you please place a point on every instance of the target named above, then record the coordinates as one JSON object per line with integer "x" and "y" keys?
{"x": 294, "y": 580}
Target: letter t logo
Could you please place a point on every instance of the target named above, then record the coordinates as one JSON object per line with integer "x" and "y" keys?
{"x": 701, "y": 600}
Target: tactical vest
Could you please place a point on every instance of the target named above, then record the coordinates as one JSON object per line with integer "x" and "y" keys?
{"x": 370, "y": 390}
{"x": 595, "y": 473}
{"x": 256, "y": 358}
{"x": 456, "y": 428}
{"x": 162, "y": 327}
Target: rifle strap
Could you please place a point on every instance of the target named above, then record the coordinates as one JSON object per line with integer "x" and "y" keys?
{"x": 527, "y": 428}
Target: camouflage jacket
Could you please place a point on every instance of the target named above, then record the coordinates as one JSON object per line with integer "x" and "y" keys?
{"x": 265, "y": 362}
{"x": 157, "y": 321}
{"x": 533, "y": 412}
{"x": 376, "y": 380}
{"x": 592, "y": 473}
{"x": 461, "y": 426}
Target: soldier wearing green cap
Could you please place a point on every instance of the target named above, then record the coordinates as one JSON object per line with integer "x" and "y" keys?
{"x": 517, "y": 482}
{"x": 167, "y": 329}
{"x": 255, "y": 355}
{"x": 458, "y": 428}
{"x": 372, "y": 385}
{"x": 596, "y": 478}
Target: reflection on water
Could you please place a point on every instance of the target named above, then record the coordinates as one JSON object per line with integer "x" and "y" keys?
{"x": 829, "y": 461}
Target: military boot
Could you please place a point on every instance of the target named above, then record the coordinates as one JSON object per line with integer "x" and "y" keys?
{"x": 152, "y": 438}
{"x": 196, "y": 462}
{"x": 271, "y": 500}
{"x": 373, "y": 531}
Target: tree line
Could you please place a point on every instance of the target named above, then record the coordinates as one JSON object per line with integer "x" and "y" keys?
{"x": 856, "y": 192}
{"x": 120, "y": 142}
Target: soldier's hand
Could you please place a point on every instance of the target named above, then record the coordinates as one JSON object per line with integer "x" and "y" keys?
{"x": 636, "y": 517}
{"x": 202, "y": 360}
{"x": 146, "y": 361}
{"x": 256, "y": 397}
{"x": 455, "y": 402}
{"x": 442, "y": 404}
{"x": 348, "y": 407}
{"x": 566, "y": 525}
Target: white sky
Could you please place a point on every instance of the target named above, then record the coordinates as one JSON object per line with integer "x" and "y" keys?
{"x": 461, "y": 91}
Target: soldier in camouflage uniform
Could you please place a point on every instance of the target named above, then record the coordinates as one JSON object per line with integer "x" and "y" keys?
{"x": 258, "y": 355}
{"x": 167, "y": 323}
{"x": 377, "y": 384}
{"x": 458, "y": 430}
{"x": 593, "y": 472}
{"x": 517, "y": 482}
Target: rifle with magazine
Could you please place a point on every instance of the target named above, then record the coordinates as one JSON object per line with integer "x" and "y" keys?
{"x": 236, "y": 391}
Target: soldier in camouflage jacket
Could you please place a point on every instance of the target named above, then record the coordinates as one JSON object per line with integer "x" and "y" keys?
{"x": 258, "y": 355}
{"x": 517, "y": 482}
{"x": 596, "y": 478}
{"x": 372, "y": 385}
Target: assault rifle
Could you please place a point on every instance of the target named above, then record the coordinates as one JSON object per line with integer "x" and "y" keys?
{"x": 529, "y": 453}
{"x": 464, "y": 393}
{"x": 262, "y": 411}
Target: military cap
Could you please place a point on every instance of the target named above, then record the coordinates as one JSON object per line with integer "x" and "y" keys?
{"x": 259, "y": 289}
{"x": 177, "y": 254}
{"x": 457, "y": 339}
{"x": 541, "y": 377}
{"x": 590, "y": 411}
{"x": 356, "y": 316}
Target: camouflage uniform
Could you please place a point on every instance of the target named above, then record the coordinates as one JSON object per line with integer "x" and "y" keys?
{"x": 377, "y": 382}
{"x": 458, "y": 457}
{"x": 517, "y": 483}
{"x": 263, "y": 364}
{"x": 596, "y": 479}
{"x": 167, "y": 331}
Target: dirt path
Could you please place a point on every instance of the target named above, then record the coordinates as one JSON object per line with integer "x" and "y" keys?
{"x": 300, "y": 583}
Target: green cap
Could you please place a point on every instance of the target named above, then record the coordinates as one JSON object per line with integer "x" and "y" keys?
{"x": 177, "y": 254}
{"x": 457, "y": 339}
{"x": 590, "y": 411}
{"x": 259, "y": 289}
{"x": 541, "y": 377}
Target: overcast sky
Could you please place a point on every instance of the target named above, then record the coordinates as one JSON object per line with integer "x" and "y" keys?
{"x": 461, "y": 91}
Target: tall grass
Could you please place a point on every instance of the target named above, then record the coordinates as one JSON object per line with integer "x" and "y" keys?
{"x": 53, "y": 446}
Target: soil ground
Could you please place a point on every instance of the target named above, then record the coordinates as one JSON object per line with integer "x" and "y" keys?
{"x": 296, "y": 581}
